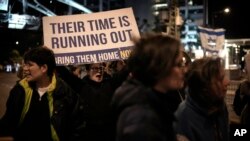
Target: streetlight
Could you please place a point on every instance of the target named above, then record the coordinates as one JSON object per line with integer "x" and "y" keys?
{"x": 226, "y": 10}
{"x": 214, "y": 14}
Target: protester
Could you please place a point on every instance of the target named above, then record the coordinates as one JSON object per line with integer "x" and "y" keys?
{"x": 41, "y": 107}
{"x": 117, "y": 66}
{"x": 140, "y": 103}
{"x": 242, "y": 96}
{"x": 96, "y": 91}
{"x": 76, "y": 70}
{"x": 20, "y": 73}
{"x": 204, "y": 116}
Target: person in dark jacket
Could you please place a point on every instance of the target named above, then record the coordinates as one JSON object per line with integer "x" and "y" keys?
{"x": 242, "y": 97}
{"x": 141, "y": 103}
{"x": 96, "y": 92}
{"x": 204, "y": 116}
{"x": 41, "y": 107}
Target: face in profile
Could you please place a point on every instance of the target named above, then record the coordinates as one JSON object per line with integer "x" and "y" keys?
{"x": 176, "y": 77}
{"x": 220, "y": 84}
{"x": 96, "y": 72}
{"x": 175, "y": 80}
{"x": 33, "y": 72}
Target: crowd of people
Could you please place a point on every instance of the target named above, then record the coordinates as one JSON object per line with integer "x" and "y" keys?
{"x": 157, "y": 94}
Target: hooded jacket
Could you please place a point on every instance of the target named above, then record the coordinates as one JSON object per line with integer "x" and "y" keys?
{"x": 142, "y": 113}
{"x": 198, "y": 124}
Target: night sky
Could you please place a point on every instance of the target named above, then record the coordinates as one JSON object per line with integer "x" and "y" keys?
{"x": 236, "y": 23}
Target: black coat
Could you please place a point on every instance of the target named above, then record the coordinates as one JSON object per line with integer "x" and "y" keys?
{"x": 142, "y": 114}
{"x": 242, "y": 102}
{"x": 65, "y": 118}
{"x": 97, "y": 112}
{"x": 96, "y": 96}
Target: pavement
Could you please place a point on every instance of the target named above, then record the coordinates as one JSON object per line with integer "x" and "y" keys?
{"x": 231, "y": 89}
{"x": 7, "y": 81}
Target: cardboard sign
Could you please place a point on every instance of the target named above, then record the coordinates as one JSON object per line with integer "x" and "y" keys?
{"x": 91, "y": 38}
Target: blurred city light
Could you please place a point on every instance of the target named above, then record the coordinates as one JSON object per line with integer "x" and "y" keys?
{"x": 226, "y": 10}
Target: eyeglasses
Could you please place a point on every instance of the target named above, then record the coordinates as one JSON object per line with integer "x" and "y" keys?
{"x": 96, "y": 69}
{"x": 181, "y": 64}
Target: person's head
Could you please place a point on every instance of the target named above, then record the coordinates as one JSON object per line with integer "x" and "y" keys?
{"x": 95, "y": 71}
{"x": 157, "y": 61}
{"x": 117, "y": 66}
{"x": 76, "y": 70}
{"x": 120, "y": 65}
{"x": 20, "y": 73}
{"x": 207, "y": 82}
{"x": 39, "y": 62}
{"x": 247, "y": 66}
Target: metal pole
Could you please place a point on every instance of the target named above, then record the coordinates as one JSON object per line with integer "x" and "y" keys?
{"x": 205, "y": 17}
{"x": 24, "y": 6}
{"x": 108, "y": 4}
{"x": 100, "y": 5}
{"x": 186, "y": 9}
{"x": 70, "y": 10}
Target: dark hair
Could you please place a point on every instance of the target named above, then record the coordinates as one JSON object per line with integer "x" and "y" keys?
{"x": 113, "y": 64}
{"x": 41, "y": 56}
{"x": 202, "y": 77}
{"x": 87, "y": 66}
{"x": 153, "y": 57}
{"x": 72, "y": 68}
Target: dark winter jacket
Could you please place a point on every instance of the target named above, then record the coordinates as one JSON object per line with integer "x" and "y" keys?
{"x": 64, "y": 116}
{"x": 96, "y": 96}
{"x": 197, "y": 124}
{"x": 142, "y": 113}
{"x": 97, "y": 112}
{"x": 242, "y": 102}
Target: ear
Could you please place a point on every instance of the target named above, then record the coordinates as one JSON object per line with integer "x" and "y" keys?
{"x": 44, "y": 68}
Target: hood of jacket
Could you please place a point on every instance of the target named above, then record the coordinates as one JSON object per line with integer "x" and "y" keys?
{"x": 129, "y": 93}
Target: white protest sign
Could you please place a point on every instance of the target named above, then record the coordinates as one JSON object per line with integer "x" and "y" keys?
{"x": 91, "y": 38}
{"x": 4, "y": 5}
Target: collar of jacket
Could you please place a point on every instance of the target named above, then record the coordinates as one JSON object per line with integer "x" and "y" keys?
{"x": 28, "y": 95}
{"x": 212, "y": 111}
